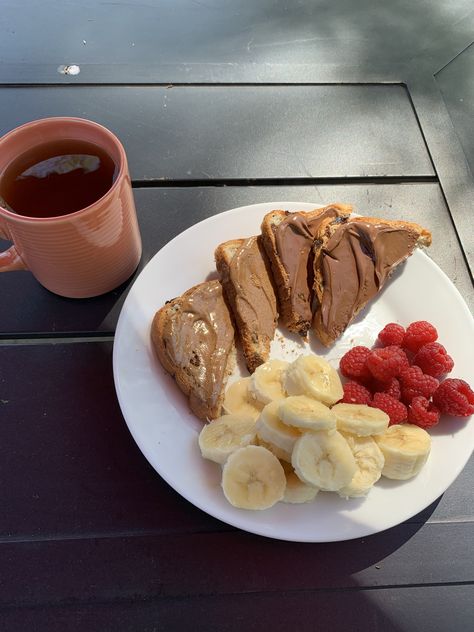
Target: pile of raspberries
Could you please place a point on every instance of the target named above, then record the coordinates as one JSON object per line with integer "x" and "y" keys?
{"x": 403, "y": 376}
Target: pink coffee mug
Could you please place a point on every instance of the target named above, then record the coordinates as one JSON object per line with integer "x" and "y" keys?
{"x": 87, "y": 252}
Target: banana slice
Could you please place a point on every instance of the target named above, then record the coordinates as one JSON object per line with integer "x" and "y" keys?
{"x": 313, "y": 376}
{"x": 324, "y": 459}
{"x": 360, "y": 420}
{"x": 272, "y": 430}
{"x": 305, "y": 412}
{"x": 406, "y": 448}
{"x": 281, "y": 455}
{"x": 253, "y": 478}
{"x": 223, "y": 436}
{"x": 238, "y": 400}
{"x": 296, "y": 491}
{"x": 369, "y": 460}
{"x": 265, "y": 382}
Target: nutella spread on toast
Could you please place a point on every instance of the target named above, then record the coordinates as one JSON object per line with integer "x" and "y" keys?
{"x": 255, "y": 299}
{"x": 201, "y": 336}
{"x": 294, "y": 239}
{"x": 356, "y": 262}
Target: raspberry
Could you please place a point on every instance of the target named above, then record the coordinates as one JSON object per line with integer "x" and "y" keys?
{"x": 401, "y": 352}
{"x": 352, "y": 364}
{"x": 394, "y": 409}
{"x": 391, "y": 334}
{"x": 422, "y": 413}
{"x": 418, "y": 334}
{"x": 433, "y": 359}
{"x": 414, "y": 382}
{"x": 387, "y": 362}
{"x": 454, "y": 397}
{"x": 355, "y": 393}
{"x": 391, "y": 388}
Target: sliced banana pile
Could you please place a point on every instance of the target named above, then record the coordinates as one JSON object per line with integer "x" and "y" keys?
{"x": 284, "y": 438}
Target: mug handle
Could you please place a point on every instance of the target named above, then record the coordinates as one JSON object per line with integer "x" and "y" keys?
{"x": 10, "y": 259}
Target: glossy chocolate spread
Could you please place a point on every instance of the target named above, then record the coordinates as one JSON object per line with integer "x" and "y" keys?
{"x": 356, "y": 262}
{"x": 255, "y": 300}
{"x": 199, "y": 336}
{"x": 294, "y": 237}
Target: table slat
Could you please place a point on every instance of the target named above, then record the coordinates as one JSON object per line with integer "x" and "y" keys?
{"x": 209, "y": 132}
{"x": 169, "y": 40}
{"x": 390, "y": 610}
{"x": 163, "y": 213}
{"x": 444, "y": 607}
{"x": 147, "y": 567}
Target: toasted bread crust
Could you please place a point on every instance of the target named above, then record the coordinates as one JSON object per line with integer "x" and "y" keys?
{"x": 224, "y": 252}
{"x": 279, "y": 273}
{"x": 291, "y": 319}
{"x": 423, "y": 238}
{"x": 255, "y": 342}
{"x": 205, "y": 405}
{"x": 223, "y": 256}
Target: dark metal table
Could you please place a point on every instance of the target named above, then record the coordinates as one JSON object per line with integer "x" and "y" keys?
{"x": 221, "y": 104}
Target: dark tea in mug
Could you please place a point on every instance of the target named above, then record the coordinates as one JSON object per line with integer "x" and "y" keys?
{"x": 56, "y": 178}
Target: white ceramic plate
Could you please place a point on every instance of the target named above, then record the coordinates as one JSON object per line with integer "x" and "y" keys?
{"x": 166, "y": 432}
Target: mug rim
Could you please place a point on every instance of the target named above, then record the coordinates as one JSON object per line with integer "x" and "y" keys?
{"x": 61, "y": 218}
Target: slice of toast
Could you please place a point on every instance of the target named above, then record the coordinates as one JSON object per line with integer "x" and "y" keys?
{"x": 288, "y": 239}
{"x": 352, "y": 262}
{"x": 193, "y": 337}
{"x": 248, "y": 286}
